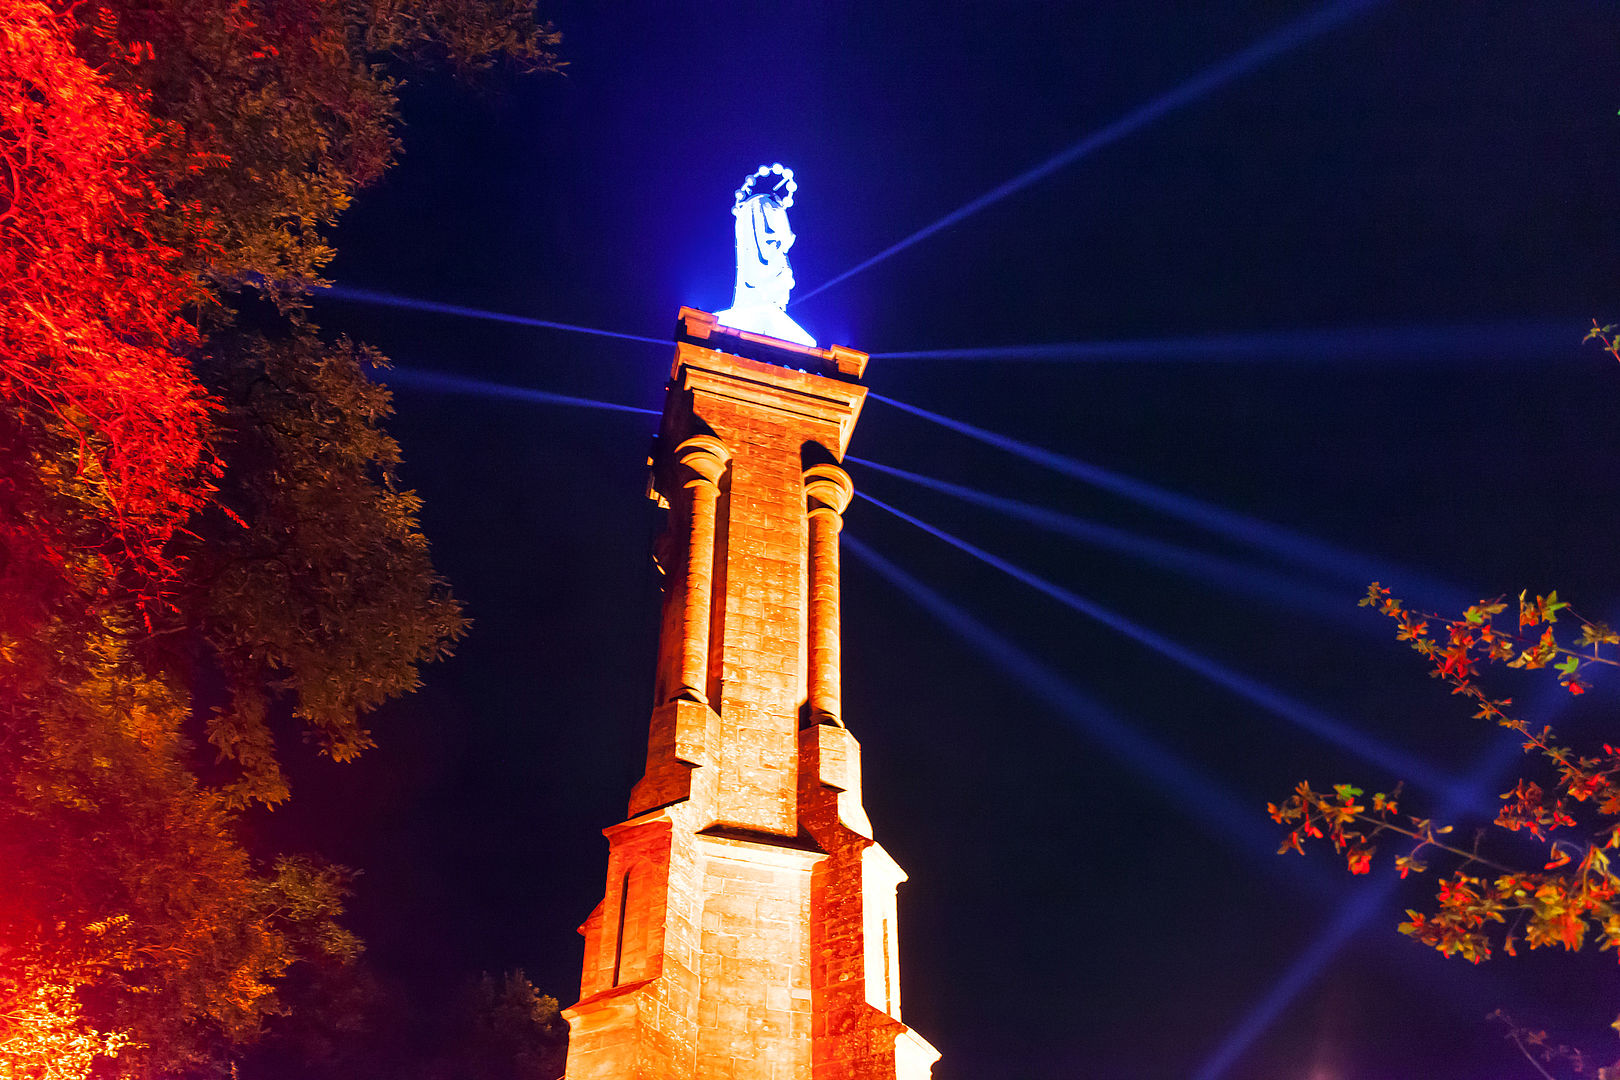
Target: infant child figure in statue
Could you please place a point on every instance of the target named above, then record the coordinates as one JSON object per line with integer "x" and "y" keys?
{"x": 764, "y": 276}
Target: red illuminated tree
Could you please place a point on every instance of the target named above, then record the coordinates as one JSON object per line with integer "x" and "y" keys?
{"x": 186, "y": 502}
{"x": 93, "y": 345}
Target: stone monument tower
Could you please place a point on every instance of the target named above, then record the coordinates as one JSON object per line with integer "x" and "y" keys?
{"x": 747, "y": 930}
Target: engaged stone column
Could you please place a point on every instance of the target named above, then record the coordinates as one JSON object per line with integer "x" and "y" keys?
{"x": 700, "y": 462}
{"x": 827, "y": 492}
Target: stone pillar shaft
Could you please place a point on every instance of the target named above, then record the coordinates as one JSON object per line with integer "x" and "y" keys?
{"x": 827, "y": 491}
{"x": 702, "y": 460}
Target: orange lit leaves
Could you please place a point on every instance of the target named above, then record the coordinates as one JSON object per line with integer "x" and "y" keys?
{"x": 92, "y": 339}
{"x": 1573, "y": 896}
{"x": 1342, "y": 818}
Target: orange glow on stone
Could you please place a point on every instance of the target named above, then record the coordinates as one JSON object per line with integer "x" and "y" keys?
{"x": 748, "y": 925}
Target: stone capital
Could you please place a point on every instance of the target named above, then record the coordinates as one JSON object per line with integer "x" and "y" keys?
{"x": 702, "y": 459}
{"x": 827, "y": 487}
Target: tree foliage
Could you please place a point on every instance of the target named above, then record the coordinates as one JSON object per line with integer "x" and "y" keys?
{"x": 503, "y": 1029}
{"x": 315, "y": 578}
{"x": 1569, "y": 806}
{"x": 202, "y": 532}
{"x": 1564, "y": 808}
{"x": 106, "y": 436}
{"x": 489, "y": 1028}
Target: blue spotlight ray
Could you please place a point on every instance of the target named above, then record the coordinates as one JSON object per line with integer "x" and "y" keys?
{"x": 367, "y": 296}
{"x": 1522, "y": 339}
{"x": 1351, "y": 917}
{"x": 1199, "y": 796}
{"x": 453, "y": 384}
{"x": 1283, "y": 543}
{"x": 1289, "y": 37}
{"x": 1400, "y": 765}
{"x": 1355, "y": 914}
{"x": 1232, "y": 576}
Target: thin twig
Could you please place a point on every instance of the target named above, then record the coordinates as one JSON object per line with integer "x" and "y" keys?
{"x": 1528, "y": 1056}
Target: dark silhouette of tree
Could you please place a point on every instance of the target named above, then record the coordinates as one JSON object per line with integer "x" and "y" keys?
{"x": 346, "y": 1023}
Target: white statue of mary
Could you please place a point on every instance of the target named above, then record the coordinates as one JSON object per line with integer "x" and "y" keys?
{"x": 764, "y": 276}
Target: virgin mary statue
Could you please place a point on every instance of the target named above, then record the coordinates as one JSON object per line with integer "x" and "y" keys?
{"x": 764, "y": 276}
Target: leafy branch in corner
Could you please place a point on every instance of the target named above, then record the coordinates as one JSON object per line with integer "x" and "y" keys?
{"x": 1572, "y": 812}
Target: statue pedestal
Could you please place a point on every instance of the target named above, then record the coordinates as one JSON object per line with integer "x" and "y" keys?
{"x": 765, "y": 319}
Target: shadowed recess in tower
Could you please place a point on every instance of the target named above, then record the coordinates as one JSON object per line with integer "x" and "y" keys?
{"x": 1200, "y": 797}
{"x": 1354, "y": 914}
{"x": 1251, "y": 581}
{"x": 433, "y": 307}
{"x": 1268, "y": 48}
{"x": 453, "y": 384}
{"x": 1545, "y": 339}
{"x": 1399, "y": 764}
{"x": 1261, "y": 535}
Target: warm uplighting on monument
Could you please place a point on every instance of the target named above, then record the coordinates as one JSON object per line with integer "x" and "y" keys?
{"x": 748, "y": 929}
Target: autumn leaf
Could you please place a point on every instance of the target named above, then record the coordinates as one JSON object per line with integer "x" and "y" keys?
{"x": 1538, "y": 655}
{"x": 1375, "y": 596}
{"x": 1598, "y": 633}
{"x": 1407, "y": 864}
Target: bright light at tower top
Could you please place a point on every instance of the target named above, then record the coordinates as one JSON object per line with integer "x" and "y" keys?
{"x": 764, "y": 275}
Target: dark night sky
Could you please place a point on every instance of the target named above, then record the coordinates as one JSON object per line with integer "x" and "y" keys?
{"x": 1068, "y": 915}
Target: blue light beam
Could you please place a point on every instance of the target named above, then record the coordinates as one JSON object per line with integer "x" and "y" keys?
{"x": 1523, "y": 339}
{"x": 1225, "y": 573}
{"x": 1268, "y": 48}
{"x": 1350, "y": 918}
{"x": 454, "y": 384}
{"x": 433, "y": 307}
{"x": 1250, "y": 531}
{"x": 1200, "y": 798}
{"x": 1400, "y": 765}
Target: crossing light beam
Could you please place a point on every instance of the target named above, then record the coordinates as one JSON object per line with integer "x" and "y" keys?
{"x": 1199, "y": 796}
{"x": 1243, "y": 528}
{"x": 454, "y": 384}
{"x": 1290, "y": 37}
{"x": 1351, "y": 917}
{"x": 1224, "y": 573}
{"x": 1523, "y": 339}
{"x": 433, "y": 307}
{"x": 1400, "y": 765}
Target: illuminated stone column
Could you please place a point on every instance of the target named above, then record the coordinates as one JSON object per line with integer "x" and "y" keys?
{"x": 700, "y": 463}
{"x": 827, "y": 491}
{"x": 747, "y": 929}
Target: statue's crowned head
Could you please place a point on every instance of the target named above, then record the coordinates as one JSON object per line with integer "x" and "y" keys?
{"x": 764, "y": 275}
